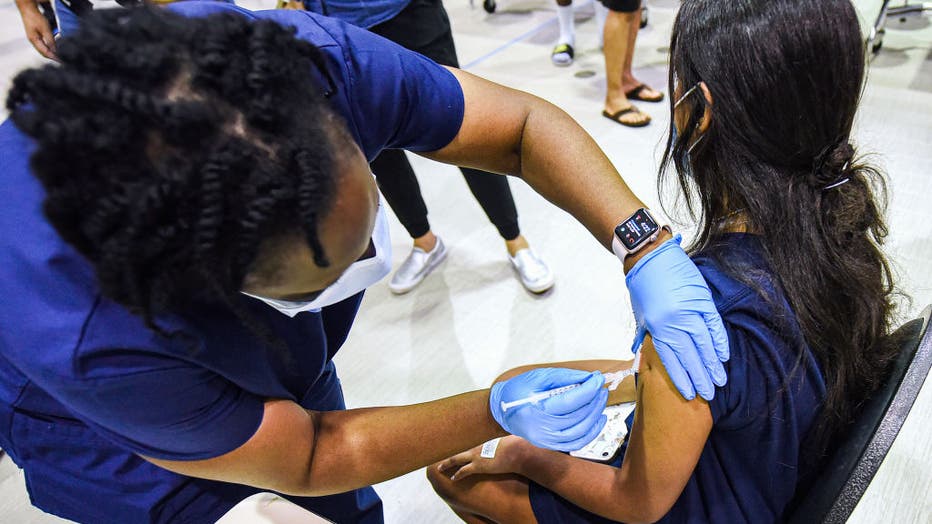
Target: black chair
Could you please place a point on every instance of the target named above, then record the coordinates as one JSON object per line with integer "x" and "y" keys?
{"x": 875, "y": 40}
{"x": 839, "y": 487}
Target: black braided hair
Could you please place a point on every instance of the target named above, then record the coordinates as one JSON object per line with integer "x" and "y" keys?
{"x": 170, "y": 148}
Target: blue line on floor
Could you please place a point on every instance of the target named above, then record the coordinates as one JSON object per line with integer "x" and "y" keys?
{"x": 514, "y": 41}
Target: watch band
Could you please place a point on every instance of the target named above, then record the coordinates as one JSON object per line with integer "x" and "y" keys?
{"x": 618, "y": 248}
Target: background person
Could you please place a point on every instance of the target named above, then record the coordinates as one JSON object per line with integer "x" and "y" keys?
{"x": 423, "y": 26}
{"x": 564, "y": 51}
{"x": 39, "y": 30}
{"x": 621, "y": 86}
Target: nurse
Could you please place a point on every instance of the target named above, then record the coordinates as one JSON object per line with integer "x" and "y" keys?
{"x": 188, "y": 224}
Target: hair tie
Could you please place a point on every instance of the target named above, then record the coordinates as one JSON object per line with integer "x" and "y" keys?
{"x": 840, "y": 181}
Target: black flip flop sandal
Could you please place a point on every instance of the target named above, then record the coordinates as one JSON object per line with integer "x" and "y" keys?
{"x": 617, "y": 117}
{"x": 635, "y": 94}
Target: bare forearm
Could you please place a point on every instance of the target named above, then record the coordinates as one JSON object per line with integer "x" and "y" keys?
{"x": 511, "y": 132}
{"x": 27, "y": 5}
{"x": 361, "y": 447}
{"x": 315, "y": 453}
{"x": 565, "y": 165}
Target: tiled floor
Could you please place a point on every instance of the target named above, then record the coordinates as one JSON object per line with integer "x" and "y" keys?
{"x": 471, "y": 319}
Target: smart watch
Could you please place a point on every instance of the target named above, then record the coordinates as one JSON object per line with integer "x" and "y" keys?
{"x": 635, "y": 232}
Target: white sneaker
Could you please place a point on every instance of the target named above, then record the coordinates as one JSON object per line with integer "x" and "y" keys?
{"x": 534, "y": 273}
{"x": 416, "y": 267}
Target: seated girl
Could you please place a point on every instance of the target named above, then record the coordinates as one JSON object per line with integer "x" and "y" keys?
{"x": 766, "y": 92}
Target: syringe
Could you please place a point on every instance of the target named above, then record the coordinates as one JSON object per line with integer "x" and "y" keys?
{"x": 612, "y": 380}
{"x": 537, "y": 397}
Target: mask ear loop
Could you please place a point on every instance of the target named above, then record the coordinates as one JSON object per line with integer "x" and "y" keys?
{"x": 686, "y": 95}
{"x": 690, "y": 91}
{"x": 696, "y": 143}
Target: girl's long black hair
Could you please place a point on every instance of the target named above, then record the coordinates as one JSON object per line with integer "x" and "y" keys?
{"x": 786, "y": 78}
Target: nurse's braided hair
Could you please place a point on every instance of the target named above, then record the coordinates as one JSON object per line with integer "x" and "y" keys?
{"x": 170, "y": 148}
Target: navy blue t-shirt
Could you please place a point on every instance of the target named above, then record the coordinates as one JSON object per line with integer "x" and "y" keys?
{"x": 85, "y": 386}
{"x": 750, "y": 465}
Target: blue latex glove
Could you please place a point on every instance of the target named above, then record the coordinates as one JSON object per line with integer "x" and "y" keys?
{"x": 673, "y": 303}
{"x": 565, "y": 422}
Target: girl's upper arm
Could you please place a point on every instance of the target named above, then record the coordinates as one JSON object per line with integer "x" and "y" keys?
{"x": 668, "y": 436}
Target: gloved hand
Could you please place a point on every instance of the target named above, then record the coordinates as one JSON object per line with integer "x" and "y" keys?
{"x": 565, "y": 422}
{"x": 673, "y": 303}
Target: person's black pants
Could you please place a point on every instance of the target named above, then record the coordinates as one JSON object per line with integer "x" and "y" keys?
{"x": 423, "y": 26}
{"x": 622, "y": 6}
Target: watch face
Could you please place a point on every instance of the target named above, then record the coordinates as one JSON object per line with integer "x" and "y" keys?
{"x": 636, "y": 230}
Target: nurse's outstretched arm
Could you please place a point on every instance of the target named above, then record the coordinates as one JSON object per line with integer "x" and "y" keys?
{"x": 313, "y": 453}
{"x": 511, "y": 132}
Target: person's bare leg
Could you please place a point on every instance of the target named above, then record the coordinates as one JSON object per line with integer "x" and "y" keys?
{"x": 516, "y": 244}
{"x": 483, "y": 499}
{"x": 628, "y": 80}
{"x": 633, "y": 28}
{"x": 617, "y": 40}
{"x": 427, "y": 241}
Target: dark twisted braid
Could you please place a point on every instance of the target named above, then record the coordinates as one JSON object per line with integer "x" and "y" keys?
{"x": 170, "y": 148}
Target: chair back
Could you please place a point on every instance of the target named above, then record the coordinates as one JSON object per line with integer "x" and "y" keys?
{"x": 837, "y": 489}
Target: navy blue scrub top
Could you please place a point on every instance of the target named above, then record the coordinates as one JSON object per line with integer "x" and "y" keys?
{"x": 361, "y": 13}
{"x": 85, "y": 386}
{"x": 750, "y": 465}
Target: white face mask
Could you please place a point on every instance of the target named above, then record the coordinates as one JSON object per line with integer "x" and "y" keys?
{"x": 357, "y": 277}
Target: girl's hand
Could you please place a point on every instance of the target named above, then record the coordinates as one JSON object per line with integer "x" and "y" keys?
{"x": 507, "y": 460}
